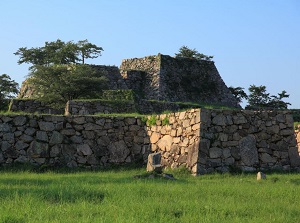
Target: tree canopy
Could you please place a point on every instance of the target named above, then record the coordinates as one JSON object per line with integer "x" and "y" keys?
{"x": 8, "y": 89}
{"x": 59, "y": 52}
{"x": 258, "y": 98}
{"x": 184, "y": 51}
{"x": 58, "y": 72}
{"x": 60, "y": 83}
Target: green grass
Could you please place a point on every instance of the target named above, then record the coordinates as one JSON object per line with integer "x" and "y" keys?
{"x": 115, "y": 196}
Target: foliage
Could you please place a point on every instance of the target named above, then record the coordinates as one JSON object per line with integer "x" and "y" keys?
{"x": 58, "y": 52}
{"x": 259, "y": 98}
{"x": 184, "y": 51}
{"x": 165, "y": 121}
{"x": 115, "y": 196}
{"x": 8, "y": 90}
{"x": 238, "y": 93}
{"x": 88, "y": 50}
{"x": 60, "y": 83}
{"x": 152, "y": 120}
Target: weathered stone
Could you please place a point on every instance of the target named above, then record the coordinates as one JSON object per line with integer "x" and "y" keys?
{"x": 30, "y": 131}
{"x": 10, "y": 137}
{"x": 286, "y": 132}
{"x": 21, "y": 159}
{"x": 79, "y": 120}
{"x": 235, "y": 152}
{"x": 261, "y": 176}
{"x": 38, "y": 150}
{"x": 4, "y": 127}
{"x": 226, "y": 153}
{"x": 154, "y": 162}
{"x": 56, "y": 138}
{"x": 20, "y": 145}
{"x": 192, "y": 157}
{"x": 230, "y": 143}
{"x": 229, "y": 161}
{"x": 46, "y": 126}
{"x": 239, "y": 119}
{"x": 215, "y": 152}
{"x": 92, "y": 160}
{"x": 26, "y": 138}
{"x": 267, "y": 158}
{"x": 165, "y": 143}
{"x": 248, "y": 150}
{"x": 294, "y": 156}
{"x": 5, "y": 146}
{"x": 274, "y": 129}
{"x": 41, "y": 136}
{"x": 182, "y": 115}
{"x": 182, "y": 159}
{"x": 84, "y": 149}
{"x": 55, "y": 151}
{"x": 103, "y": 141}
{"x": 219, "y": 120}
{"x": 118, "y": 151}
{"x": 19, "y": 120}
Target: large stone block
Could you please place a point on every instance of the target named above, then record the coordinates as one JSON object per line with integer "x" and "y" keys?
{"x": 154, "y": 162}
{"x": 118, "y": 151}
{"x": 38, "y": 150}
{"x": 165, "y": 143}
{"x": 248, "y": 150}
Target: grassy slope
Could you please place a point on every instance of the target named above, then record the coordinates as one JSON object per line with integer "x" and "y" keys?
{"x": 115, "y": 196}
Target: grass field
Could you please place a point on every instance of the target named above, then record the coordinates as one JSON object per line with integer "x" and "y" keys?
{"x": 115, "y": 196}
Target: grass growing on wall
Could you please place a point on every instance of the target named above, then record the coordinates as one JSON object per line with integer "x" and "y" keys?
{"x": 115, "y": 196}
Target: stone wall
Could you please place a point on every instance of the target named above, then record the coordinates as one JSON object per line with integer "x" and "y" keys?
{"x": 297, "y": 136}
{"x": 247, "y": 140}
{"x": 143, "y": 76}
{"x": 33, "y": 106}
{"x": 177, "y": 137}
{"x": 99, "y": 106}
{"x": 192, "y": 80}
{"x": 202, "y": 140}
{"x": 172, "y": 79}
{"x": 219, "y": 140}
{"x": 72, "y": 141}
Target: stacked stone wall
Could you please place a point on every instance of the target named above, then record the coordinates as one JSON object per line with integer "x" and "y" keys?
{"x": 99, "y": 106}
{"x": 188, "y": 79}
{"x": 177, "y": 137}
{"x": 71, "y": 141}
{"x": 247, "y": 140}
{"x": 143, "y": 76}
{"x": 297, "y": 136}
{"x": 33, "y": 106}
{"x": 202, "y": 140}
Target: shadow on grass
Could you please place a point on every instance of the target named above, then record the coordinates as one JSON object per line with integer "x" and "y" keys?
{"x": 54, "y": 195}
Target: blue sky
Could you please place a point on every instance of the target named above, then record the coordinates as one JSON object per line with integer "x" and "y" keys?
{"x": 252, "y": 41}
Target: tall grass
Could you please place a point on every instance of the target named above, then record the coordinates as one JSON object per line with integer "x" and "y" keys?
{"x": 115, "y": 196}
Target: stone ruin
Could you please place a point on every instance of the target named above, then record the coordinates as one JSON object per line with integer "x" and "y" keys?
{"x": 164, "y": 78}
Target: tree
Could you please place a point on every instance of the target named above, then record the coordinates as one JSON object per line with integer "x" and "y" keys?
{"x": 8, "y": 89}
{"x": 238, "y": 93}
{"x": 184, "y": 51}
{"x": 58, "y": 52}
{"x": 60, "y": 83}
{"x": 260, "y": 99}
{"x": 277, "y": 101}
{"x": 88, "y": 50}
{"x": 258, "y": 96}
